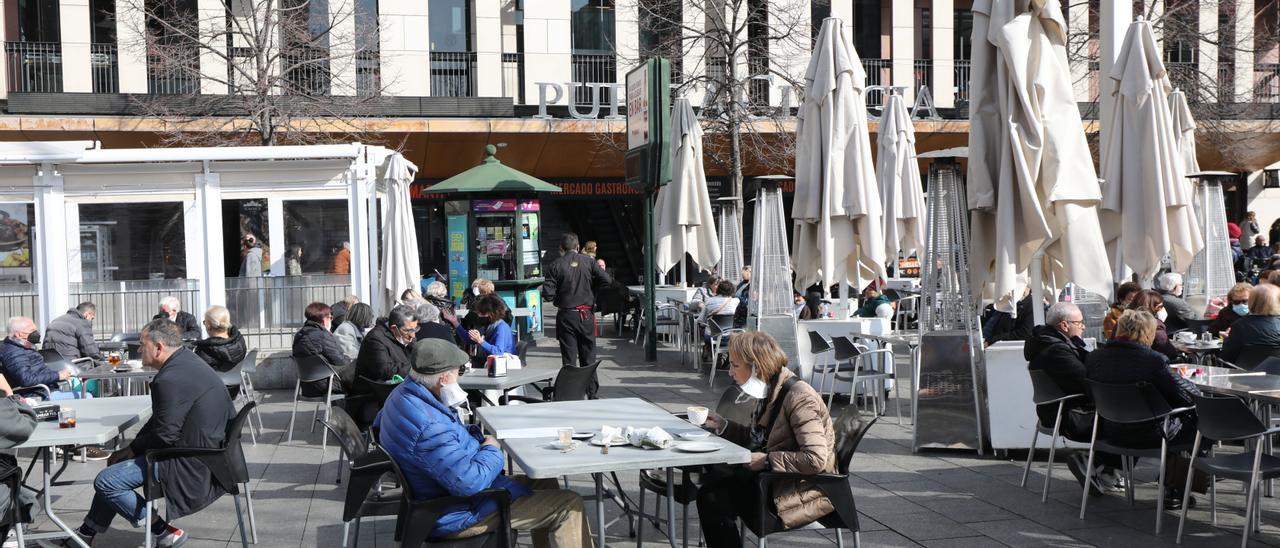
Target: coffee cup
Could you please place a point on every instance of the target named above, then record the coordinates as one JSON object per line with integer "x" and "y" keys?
{"x": 697, "y": 414}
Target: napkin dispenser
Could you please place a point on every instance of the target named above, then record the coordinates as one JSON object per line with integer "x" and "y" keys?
{"x": 496, "y": 366}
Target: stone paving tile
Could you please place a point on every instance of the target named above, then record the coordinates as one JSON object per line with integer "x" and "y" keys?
{"x": 925, "y": 526}
{"x": 1022, "y": 532}
{"x": 964, "y": 542}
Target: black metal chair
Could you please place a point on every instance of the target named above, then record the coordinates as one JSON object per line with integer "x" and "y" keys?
{"x": 1270, "y": 366}
{"x": 1252, "y": 355}
{"x": 857, "y": 365}
{"x": 820, "y": 347}
{"x": 850, "y": 428}
{"x": 312, "y": 369}
{"x": 352, "y": 441}
{"x": 417, "y": 518}
{"x": 379, "y": 391}
{"x": 248, "y": 366}
{"x": 234, "y": 378}
{"x": 1045, "y": 391}
{"x": 226, "y": 464}
{"x": 365, "y": 470}
{"x": 572, "y": 384}
{"x": 719, "y": 329}
{"x": 1131, "y": 404}
{"x": 11, "y": 476}
{"x": 1230, "y": 419}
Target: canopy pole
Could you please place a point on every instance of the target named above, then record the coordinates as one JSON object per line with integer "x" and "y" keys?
{"x": 1037, "y": 288}
{"x": 684, "y": 246}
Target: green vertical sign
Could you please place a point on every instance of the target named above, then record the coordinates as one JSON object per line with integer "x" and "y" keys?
{"x": 648, "y": 162}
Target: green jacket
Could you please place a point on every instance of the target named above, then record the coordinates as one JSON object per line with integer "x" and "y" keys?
{"x": 868, "y": 309}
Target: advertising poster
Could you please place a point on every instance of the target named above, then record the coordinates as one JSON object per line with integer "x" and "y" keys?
{"x": 459, "y": 277}
{"x": 15, "y": 241}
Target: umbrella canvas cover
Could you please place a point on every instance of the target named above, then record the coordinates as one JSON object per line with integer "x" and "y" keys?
{"x": 900, "y": 186}
{"x": 684, "y": 222}
{"x": 1184, "y": 128}
{"x": 400, "y": 270}
{"x": 1032, "y": 187}
{"x": 839, "y": 233}
{"x": 1148, "y": 200}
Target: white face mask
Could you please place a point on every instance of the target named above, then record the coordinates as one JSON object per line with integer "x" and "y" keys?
{"x": 1162, "y": 315}
{"x": 452, "y": 395}
{"x": 754, "y": 387}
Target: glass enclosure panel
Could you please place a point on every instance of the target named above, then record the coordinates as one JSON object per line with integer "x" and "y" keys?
{"x": 530, "y": 259}
{"x": 133, "y": 241}
{"x": 495, "y": 246}
{"x": 242, "y": 218}
{"x": 269, "y": 310}
{"x": 125, "y": 306}
{"x": 315, "y": 237}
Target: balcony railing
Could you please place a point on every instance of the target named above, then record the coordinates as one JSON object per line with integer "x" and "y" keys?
{"x": 1266, "y": 83}
{"x": 307, "y": 72}
{"x": 174, "y": 74}
{"x": 104, "y": 67}
{"x": 963, "y": 71}
{"x": 368, "y": 73}
{"x": 1185, "y": 76}
{"x": 879, "y": 73}
{"x": 34, "y": 67}
{"x": 594, "y": 69}
{"x": 922, "y": 69}
{"x": 758, "y": 89}
{"x": 513, "y": 77}
{"x": 453, "y": 74}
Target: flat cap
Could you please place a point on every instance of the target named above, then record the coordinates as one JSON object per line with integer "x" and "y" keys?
{"x": 431, "y": 356}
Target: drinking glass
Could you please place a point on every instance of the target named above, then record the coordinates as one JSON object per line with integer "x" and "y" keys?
{"x": 565, "y": 436}
{"x": 66, "y": 418}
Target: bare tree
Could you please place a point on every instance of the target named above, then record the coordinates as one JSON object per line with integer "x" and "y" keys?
{"x": 1208, "y": 84}
{"x": 258, "y": 71}
{"x": 734, "y": 52}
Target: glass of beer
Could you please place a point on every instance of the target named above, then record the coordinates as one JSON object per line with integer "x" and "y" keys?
{"x": 66, "y": 418}
{"x": 113, "y": 358}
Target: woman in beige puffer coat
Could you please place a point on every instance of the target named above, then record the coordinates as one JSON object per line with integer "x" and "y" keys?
{"x": 801, "y": 440}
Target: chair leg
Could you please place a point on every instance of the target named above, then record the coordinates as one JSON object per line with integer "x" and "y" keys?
{"x": 857, "y": 539}
{"x": 897, "y": 395}
{"x": 1186, "y": 489}
{"x": 346, "y": 533}
{"x": 1213, "y": 500}
{"x": 684, "y": 526}
{"x": 1252, "y": 505}
{"x": 1048, "y": 467}
{"x": 297, "y": 391}
{"x": 640, "y": 526}
{"x": 244, "y": 538}
{"x": 1164, "y": 449}
{"x": 147, "y": 541}
{"x": 1088, "y": 469}
{"x": 253, "y": 521}
{"x": 1128, "y": 479}
{"x": 1026, "y": 470}
{"x": 356, "y": 541}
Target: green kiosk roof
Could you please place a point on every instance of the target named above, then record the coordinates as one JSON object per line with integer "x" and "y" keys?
{"x": 493, "y": 177}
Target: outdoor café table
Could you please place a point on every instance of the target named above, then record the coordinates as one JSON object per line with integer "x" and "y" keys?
{"x": 527, "y": 431}
{"x": 107, "y": 372}
{"x": 1198, "y": 349}
{"x": 1249, "y": 385}
{"x": 477, "y": 379}
{"x": 97, "y": 422}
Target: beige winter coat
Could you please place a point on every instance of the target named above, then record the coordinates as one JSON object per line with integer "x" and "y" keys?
{"x": 802, "y": 441}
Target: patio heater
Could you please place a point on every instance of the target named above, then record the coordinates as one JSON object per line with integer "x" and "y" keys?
{"x": 1211, "y": 273}
{"x": 948, "y": 400}
{"x": 771, "y": 299}
{"x": 730, "y": 240}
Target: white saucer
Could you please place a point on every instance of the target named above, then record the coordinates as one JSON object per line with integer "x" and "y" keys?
{"x": 695, "y": 435}
{"x": 697, "y": 447}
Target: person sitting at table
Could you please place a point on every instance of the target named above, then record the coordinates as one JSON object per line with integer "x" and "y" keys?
{"x": 872, "y": 298}
{"x": 811, "y": 307}
{"x": 315, "y": 338}
{"x": 339, "y": 310}
{"x": 790, "y": 431}
{"x": 71, "y": 334}
{"x": 17, "y": 422}
{"x": 440, "y": 456}
{"x": 430, "y": 326}
{"x": 1169, "y": 286}
{"x": 224, "y": 348}
{"x": 1128, "y": 359}
{"x": 438, "y": 295}
{"x": 1152, "y": 303}
{"x": 492, "y": 335}
{"x": 171, "y": 309}
{"x": 23, "y": 367}
{"x": 1124, "y": 296}
{"x": 189, "y": 408}
{"x": 1237, "y": 306}
{"x": 1260, "y": 328}
{"x": 723, "y": 304}
{"x": 352, "y": 331}
{"x": 385, "y": 350}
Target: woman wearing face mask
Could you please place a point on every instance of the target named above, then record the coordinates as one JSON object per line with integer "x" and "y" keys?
{"x": 1153, "y": 303}
{"x": 1261, "y": 328}
{"x": 790, "y": 431}
{"x": 1237, "y": 306}
{"x": 493, "y": 336}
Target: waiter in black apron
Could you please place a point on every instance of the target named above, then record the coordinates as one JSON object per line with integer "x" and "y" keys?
{"x": 570, "y": 284}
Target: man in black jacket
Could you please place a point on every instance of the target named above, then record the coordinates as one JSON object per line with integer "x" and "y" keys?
{"x": 189, "y": 408}
{"x": 384, "y": 353}
{"x": 1057, "y": 349}
{"x": 71, "y": 334}
{"x": 316, "y": 339}
{"x": 171, "y": 309}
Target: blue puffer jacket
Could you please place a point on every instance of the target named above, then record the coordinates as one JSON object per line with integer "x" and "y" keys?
{"x": 440, "y": 456}
{"x": 23, "y": 366}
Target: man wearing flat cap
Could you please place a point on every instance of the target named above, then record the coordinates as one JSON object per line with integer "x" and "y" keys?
{"x": 440, "y": 456}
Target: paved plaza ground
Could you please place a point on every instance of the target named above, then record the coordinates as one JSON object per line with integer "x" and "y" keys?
{"x": 934, "y": 499}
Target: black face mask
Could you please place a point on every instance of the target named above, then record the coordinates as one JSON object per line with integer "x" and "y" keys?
{"x": 34, "y": 338}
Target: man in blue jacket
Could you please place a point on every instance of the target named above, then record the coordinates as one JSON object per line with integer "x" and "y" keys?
{"x": 23, "y": 366}
{"x": 440, "y": 456}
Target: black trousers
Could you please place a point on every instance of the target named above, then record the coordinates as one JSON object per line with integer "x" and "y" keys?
{"x": 576, "y": 333}
{"x": 730, "y": 495}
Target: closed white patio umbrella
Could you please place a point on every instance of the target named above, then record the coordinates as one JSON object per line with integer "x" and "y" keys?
{"x": 839, "y": 233}
{"x": 1148, "y": 200}
{"x": 1184, "y": 127}
{"x": 400, "y": 270}
{"x": 1032, "y": 189}
{"x": 900, "y": 186}
{"x": 683, "y": 219}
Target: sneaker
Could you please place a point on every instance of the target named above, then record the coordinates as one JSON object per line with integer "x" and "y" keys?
{"x": 1076, "y": 464}
{"x": 1173, "y": 501}
{"x": 172, "y": 537}
{"x": 95, "y": 453}
{"x": 83, "y": 536}
{"x": 1111, "y": 480}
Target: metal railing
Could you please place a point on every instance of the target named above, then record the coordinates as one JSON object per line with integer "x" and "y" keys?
{"x": 34, "y": 67}
{"x": 125, "y": 306}
{"x": 104, "y": 66}
{"x": 1266, "y": 83}
{"x": 307, "y": 72}
{"x": 453, "y": 74}
{"x": 1185, "y": 76}
{"x": 758, "y": 88}
{"x": 879, "y": 73}
{"x": 268, "y": 310}
{"x": 963, "y": 72}
{"x": 594, "y": 69}
{"x": 368, "y": 73}
{"x": 922, "y": 70}
{"x": 172, "y": 77}
{"x": 513, "y": 77}
{"x": 18, "y": 299}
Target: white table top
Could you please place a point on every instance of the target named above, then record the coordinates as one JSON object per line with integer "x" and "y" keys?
{"x": 513, "y": 423}
{"x": 477, "y": 379}
{"x": 97, "y": 421}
